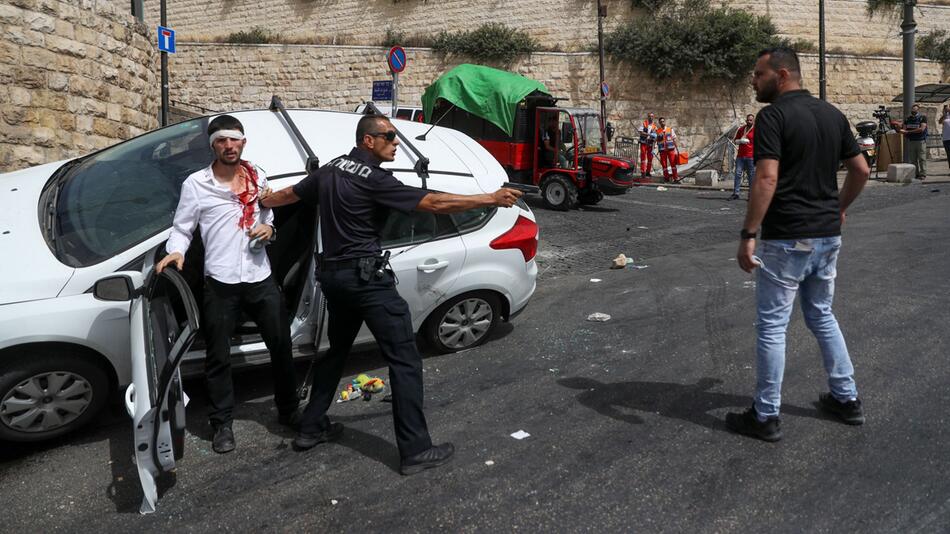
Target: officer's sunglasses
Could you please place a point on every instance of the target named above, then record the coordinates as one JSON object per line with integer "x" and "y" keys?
{"x": 390, "y": 135}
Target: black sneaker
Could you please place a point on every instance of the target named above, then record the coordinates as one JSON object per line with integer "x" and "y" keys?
{"x": 432, "y": 457}
{"x": 733, "y": 197}
{"x": 747, "y": 423}
{"x": 223, "y": 440}
{"x": 291, "y": 419}
{"x": 849, "y": 413}
{"x": 305, "y": 441}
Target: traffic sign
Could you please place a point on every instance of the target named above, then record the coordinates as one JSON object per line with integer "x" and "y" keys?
{"x": 605, "y": 89}
{"x": 396, "y": 59}
{"x": 166, "y": 40}
{"x": 382, "y": 90}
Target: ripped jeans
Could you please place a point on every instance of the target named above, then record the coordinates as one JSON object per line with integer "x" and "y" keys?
{"x": 805, "y": 267}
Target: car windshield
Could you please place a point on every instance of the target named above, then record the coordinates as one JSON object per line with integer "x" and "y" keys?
{"x": 588, "y": 129}
{"x": 121, "y": 196}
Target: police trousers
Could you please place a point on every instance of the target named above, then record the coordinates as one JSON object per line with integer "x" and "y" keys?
{"x": 350, "y": 302}
{"x": 263, "y": 302}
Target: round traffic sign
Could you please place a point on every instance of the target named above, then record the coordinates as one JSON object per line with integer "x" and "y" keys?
{"x": 396, "y": 59}
{"x": 605, "y": 89}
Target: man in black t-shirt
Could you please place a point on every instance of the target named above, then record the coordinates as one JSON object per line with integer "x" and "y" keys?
{"x": 355, "y": 194}
{"x": 794, "y": 201}
{"x": 915, "y": 128}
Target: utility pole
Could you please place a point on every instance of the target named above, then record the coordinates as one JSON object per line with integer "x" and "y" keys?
{"x": 909, "y": 32}
{"x": 822, "y": 80}
{"x": 164, "y": 113}
{"x": 601, "y": 13}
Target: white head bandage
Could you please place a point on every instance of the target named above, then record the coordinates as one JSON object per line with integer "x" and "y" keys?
{"x": 230, "y": 134}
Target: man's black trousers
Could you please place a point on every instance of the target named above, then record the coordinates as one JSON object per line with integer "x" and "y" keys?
{"x": 263, "y": 303}
{"x": 350, "y": 301}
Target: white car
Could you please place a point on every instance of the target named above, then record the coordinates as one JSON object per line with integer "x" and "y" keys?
{"x": 79, "y": 240}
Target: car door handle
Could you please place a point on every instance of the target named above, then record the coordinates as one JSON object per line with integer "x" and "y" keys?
{"x": 429, "y": 267}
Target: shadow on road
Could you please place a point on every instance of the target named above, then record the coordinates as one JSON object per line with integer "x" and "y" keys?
{"x": 687, "y": 402}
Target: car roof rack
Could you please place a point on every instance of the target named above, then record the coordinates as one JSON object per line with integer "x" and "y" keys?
{"x": 313, "y": 162}
{"x": 422, "y": 163}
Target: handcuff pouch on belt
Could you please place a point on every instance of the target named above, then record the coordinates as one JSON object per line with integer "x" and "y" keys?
{"x": 373, "y": 267}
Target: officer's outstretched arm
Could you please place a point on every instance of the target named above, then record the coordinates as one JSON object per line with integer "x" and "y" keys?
{"x": 279, "y": 198}
{"x": 449, "y": 203}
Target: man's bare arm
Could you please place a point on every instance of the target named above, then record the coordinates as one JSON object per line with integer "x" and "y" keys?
{"x": 449, "y": 203}
{"x": 761, "y": 193}
{"x": 858, "y": 173}
{"x": 279, "y": 198}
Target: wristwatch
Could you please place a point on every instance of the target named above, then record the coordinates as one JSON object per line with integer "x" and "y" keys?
{"x": 746, "y": 235}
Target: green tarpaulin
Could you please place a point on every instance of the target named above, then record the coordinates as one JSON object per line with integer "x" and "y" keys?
{"x": 489, "y": 93}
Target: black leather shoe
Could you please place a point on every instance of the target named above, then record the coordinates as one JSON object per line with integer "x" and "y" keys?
{"x": 849, "y": 413}
{"x": 291, "y": 419}
{"x": 223, "y": 440}
{"x": 305, "y": 441}
{"x": 427, "y": 459}
{"x": 748, "y": 424}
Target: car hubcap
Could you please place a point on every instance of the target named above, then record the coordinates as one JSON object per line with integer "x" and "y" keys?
{"x": 46, "y": 401}
{"x": 555, "y": 194}
{"x": 465, "y": 323}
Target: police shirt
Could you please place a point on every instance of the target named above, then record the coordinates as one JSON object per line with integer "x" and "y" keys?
{"x": 809, "y": 137}
{"x": 355, "y": 196}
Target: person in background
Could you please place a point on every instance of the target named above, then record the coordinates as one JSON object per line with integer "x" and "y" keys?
{"x": 647, "y": 140}
{"x": 669, "y": 150}
{"x": 745, "y": 142}
{"x": 945, "y": 122}
{"x": 915, "y": 128}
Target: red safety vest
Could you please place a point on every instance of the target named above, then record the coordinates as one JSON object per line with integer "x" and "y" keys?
{"x": 666, "y": 138}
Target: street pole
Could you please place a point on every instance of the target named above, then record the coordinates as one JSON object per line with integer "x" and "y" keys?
{"x": 601, "y": 13}
{"x": 822, "y": 89}
{"x": 909, "y": 32}
{"x": 164, "y": 114}
{"x": 392, "y": 114}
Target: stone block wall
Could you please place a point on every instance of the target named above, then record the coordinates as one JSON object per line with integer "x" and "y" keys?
{"x": 75, "y": 76}
{"x": 568, "y": 25}
{"x": 231, "y": 77}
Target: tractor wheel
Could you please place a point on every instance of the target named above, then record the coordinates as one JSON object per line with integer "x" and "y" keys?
{"x": 559, "y": 192}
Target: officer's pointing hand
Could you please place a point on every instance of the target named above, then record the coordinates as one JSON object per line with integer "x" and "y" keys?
{"x": 505, "y": 197}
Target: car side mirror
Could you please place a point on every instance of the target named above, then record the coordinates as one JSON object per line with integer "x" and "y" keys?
{"x": 113, "y": 289}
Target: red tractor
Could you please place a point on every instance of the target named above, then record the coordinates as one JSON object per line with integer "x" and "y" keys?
{"x": 560, "y": 150}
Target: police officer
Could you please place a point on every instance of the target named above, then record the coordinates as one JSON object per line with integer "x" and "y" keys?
{"x": 355, "y": 194}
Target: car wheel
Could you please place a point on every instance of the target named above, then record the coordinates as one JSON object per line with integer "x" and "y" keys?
{"x": 558, "y": 192}
{"x": 463, "y": 322}
{"x": 49, "y": 394}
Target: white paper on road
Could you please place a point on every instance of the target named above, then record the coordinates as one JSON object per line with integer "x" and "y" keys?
{"x": 521, "y": 434}
{"x": 598, "y": 317}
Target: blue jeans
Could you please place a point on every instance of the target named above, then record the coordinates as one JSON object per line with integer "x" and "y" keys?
{"x": 805, "y": 267}
{"x": 748, "y": 165}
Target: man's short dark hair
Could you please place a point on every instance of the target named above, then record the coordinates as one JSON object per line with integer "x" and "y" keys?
{"x": 782, "y": 57}
{"x": 224, "y": 122}
{"x": 661, "y": 118}
{"x": 750, "y": 115}
{"x": 367, "y": 125}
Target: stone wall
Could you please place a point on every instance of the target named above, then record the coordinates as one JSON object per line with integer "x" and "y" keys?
{"x": 75, "y": 76}
{"x": 569, "y": 25}
{"x": 230, "y": 77}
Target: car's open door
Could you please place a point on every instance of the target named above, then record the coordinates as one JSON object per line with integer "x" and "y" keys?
{"x": 164, "y": 321}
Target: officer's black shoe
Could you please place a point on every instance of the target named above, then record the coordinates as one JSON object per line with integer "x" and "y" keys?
{"x": 734, "y": 197}
{"x": 748, "y": 424}
{"x": 223, "y": 440}
{"x": 432, "y": 457}
{"x": 305, "y": 441}
{"x": 849, "y": 413}
{"x": 291, "y": 419}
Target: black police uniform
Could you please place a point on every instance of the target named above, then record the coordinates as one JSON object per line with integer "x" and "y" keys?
{"x": 355, "y": 196}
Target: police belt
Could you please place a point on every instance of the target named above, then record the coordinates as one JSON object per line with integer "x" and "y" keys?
{"x": 341, "y": 265}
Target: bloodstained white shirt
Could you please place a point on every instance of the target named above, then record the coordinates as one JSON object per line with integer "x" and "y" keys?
{"x": 211, "y": 206}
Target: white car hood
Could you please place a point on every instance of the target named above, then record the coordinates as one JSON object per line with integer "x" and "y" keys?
{"x": 29, "y": 270}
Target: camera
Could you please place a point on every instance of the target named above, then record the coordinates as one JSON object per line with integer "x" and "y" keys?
{"x": 882, "y": 114}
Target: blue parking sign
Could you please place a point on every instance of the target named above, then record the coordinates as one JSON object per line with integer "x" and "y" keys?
{"x": 166, "y": 40}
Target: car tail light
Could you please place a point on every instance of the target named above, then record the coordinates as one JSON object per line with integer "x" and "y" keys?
{"x": 522, "y": 236}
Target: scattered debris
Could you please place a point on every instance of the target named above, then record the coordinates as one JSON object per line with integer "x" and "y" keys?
{"x": 595, "y": 280}
{"x": 724, "y": 209}
{"x": 363, "y": 387}
{"x": 619, "y": 262}
{"x": 489, "y": 462}
{"x": 661, "y": 188}
{"x": 749, "y": 284}
{"x": 598, "y": 317}
{"x": 553, "y": 369}
{"x": 632, "y": 266}
{"x": 521, "y": 434}
{"x": 643, "y": 227}
{"x": 334, "y": 502}
{"x": 934, "y": 190}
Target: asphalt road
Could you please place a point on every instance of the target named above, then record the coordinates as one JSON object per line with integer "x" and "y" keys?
{"x": 625, "y": 417}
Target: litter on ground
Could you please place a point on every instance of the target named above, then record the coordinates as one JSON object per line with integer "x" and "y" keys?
{"x": 598, "y": 317}
{"x": 661, "y": 188}
{"x": 489, "y": 462}
{"x": 595, "y": 280}
{"x": 521, "y": 434}
{"x": 619, "y": 262}
{"x": 362, "y": 387}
